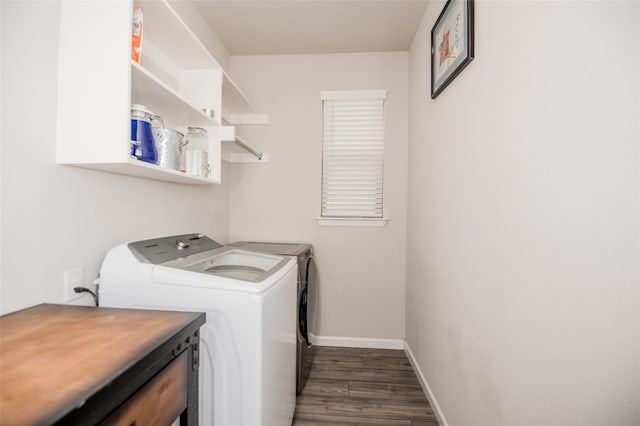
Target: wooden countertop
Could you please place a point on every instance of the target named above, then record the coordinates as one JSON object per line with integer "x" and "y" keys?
{"x": 53, "y": 357}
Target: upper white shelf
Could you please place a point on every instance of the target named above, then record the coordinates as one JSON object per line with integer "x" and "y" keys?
{"x": 182, "y": 51}
{"x": 147, "y": 89}
{"x": 178, "y": 41}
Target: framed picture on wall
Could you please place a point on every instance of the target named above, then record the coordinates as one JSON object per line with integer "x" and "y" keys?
{"x": 451, "y": 44}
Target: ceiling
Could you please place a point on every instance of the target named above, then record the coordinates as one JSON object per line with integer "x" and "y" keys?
{"x": 269, "y": 27}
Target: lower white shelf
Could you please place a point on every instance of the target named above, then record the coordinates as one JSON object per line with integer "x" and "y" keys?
{"x": 145, "y": 170}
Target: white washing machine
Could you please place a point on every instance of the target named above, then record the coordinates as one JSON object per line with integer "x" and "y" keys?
{"x": 248, "y": 343}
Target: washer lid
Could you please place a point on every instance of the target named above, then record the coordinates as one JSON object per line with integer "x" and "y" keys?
{"x": 232, "y": 263}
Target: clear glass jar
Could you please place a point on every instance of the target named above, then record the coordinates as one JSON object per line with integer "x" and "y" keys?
{"x": 196, "y": 155}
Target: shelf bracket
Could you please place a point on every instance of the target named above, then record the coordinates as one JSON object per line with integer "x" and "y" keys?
{"x": 248, "y": 148}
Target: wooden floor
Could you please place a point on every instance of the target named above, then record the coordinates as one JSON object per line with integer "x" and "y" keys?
{"x": 350, "y": 386}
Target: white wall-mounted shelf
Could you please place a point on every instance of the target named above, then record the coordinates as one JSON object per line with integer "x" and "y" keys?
{"x": 177, "y": 79}
{"x": 98, "y": 82}
{"x": 134, "y": 167}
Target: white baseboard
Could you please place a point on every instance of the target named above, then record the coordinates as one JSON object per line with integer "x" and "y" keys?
{"x": 425, "y": 387}
{"x": 358, "y": 342}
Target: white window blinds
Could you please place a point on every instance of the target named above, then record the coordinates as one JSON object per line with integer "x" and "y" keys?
{"x": 353, "y": 153}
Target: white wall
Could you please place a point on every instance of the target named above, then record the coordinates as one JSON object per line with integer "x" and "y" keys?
{"x": 523, "y": 290}
{"x": 56, "y": 217}
{"x": 362, "y": 270}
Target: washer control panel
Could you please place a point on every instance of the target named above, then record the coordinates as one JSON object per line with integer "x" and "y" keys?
{"x": 165, "y": 249}
{"x": 181, "y": 244}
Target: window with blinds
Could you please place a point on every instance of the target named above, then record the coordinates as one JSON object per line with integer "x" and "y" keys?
{"x": 352, "y": 154}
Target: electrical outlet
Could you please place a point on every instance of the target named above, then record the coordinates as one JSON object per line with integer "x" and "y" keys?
{"x": 73, "y": 278}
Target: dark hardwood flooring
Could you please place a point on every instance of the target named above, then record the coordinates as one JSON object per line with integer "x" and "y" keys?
{"x": 353, "y": 386}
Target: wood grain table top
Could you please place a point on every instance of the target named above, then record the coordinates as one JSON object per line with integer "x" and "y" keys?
{"x": 53, "y": 357}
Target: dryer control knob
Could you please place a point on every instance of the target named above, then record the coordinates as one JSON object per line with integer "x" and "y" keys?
{"x": 182, "y": 244}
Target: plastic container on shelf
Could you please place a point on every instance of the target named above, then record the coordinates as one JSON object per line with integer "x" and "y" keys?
{"x": 196, "y": 156}
{"x": 143, "y": 145}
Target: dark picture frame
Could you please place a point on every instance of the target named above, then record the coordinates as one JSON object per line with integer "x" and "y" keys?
{"x": 451, "y": 43}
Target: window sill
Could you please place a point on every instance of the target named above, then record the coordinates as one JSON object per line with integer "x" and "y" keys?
{"x": 353, "y": 222}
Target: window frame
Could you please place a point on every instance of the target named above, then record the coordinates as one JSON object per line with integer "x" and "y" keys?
{"x": 351, "y": 221}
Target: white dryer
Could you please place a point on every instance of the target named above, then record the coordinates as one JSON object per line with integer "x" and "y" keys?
{"x": 248, "y": 343}
{"x": 307, "y": 304}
